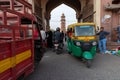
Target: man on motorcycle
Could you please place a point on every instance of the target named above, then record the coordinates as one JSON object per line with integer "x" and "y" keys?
{"x": 57, "y": 34}
{"x": 57, "y": 39}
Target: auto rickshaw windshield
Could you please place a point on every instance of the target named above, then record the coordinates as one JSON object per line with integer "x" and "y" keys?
{"x": 84, "y": 31}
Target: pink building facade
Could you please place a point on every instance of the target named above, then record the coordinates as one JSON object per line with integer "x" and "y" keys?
{"x": 110, "y": 20}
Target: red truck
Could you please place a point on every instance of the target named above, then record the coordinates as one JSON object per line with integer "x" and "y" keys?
{"x": 20, "y": 41}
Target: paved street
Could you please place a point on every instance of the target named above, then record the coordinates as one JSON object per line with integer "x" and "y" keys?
{"x": 67, "y": 67}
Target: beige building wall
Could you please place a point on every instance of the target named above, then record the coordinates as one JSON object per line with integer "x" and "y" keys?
{"x": 29, "y": 1}
{"x": 97, "y": 15}
{"x": 33, "y": 4}
{"x": 43, "y": 6}
{"x": 83, "y": 4}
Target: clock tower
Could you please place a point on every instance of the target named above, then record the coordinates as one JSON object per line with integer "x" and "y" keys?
{"x": 63, "y": 23}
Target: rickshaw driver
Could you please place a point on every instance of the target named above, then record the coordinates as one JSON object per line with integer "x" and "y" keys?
{"x": 69, "y": 33}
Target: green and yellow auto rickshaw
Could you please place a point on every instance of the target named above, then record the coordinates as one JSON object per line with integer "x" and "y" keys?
{"x": 81, "y": 41}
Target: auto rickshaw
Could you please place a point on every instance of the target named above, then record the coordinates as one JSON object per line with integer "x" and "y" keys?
{"x": 81, "y": 41}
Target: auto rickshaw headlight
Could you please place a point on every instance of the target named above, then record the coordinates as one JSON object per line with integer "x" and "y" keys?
{"x": 94, "y": 43}
{"x": 78, "y": 43}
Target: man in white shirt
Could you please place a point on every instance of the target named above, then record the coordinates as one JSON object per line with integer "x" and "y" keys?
{"x": 43, "y": 34}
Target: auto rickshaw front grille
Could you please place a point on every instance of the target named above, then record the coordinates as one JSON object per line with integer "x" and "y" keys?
{"x": 86, "y": 46}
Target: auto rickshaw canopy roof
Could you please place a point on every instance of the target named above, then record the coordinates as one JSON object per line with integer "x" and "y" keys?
{"x": 80, "y": 24}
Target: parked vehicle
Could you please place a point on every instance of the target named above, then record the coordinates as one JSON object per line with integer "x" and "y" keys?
{"x": 38, "y": 46}
{"x": 17, "y": 39}
{"x": 81, "y": 41}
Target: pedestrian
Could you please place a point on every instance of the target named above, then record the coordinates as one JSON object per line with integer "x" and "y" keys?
{"x": 118, "y": 36}
{"x": 62, "y": 39}
{"x": 102, "y": 40}
{"x": 49, "y": 39}
{"x": 65, "y": 37}
{"x": 43, "y": 35}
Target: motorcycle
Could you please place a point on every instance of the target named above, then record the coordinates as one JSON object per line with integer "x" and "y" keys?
{"x": 58, "y": 47}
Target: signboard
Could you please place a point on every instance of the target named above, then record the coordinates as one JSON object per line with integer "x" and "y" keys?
{"x": 106, "y": 19}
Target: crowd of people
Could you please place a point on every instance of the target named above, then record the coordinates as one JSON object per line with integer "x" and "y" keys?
{"x": 49, "y": 37}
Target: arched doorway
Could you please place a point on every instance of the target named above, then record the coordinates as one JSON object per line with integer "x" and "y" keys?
{"x": 51, "y": 4}
{"x": 56, "y": 19}
{"x": 85, "y": 9}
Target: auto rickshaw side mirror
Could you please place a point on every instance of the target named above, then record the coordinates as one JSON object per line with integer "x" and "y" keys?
{"x": 73, "y": 34}
{"x": 98, "y": 28}
{"x": 96, "y": 32}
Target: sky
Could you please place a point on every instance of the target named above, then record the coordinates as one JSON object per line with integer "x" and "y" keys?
{"x": 56, "y": 16}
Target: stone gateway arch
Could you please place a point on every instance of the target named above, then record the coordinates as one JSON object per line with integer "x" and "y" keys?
{"x": 43, "y": 9}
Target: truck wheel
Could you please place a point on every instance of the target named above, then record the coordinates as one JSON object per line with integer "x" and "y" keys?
{"x": 21, "y": 77}
{"x": 89, "y": 63}
{"x": 38, "y": 54}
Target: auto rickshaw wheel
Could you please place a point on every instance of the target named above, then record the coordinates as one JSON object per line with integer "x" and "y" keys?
{"x": 89, "y": 63}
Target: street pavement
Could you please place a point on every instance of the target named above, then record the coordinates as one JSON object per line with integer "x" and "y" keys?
{"x": 67, "y": 67}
